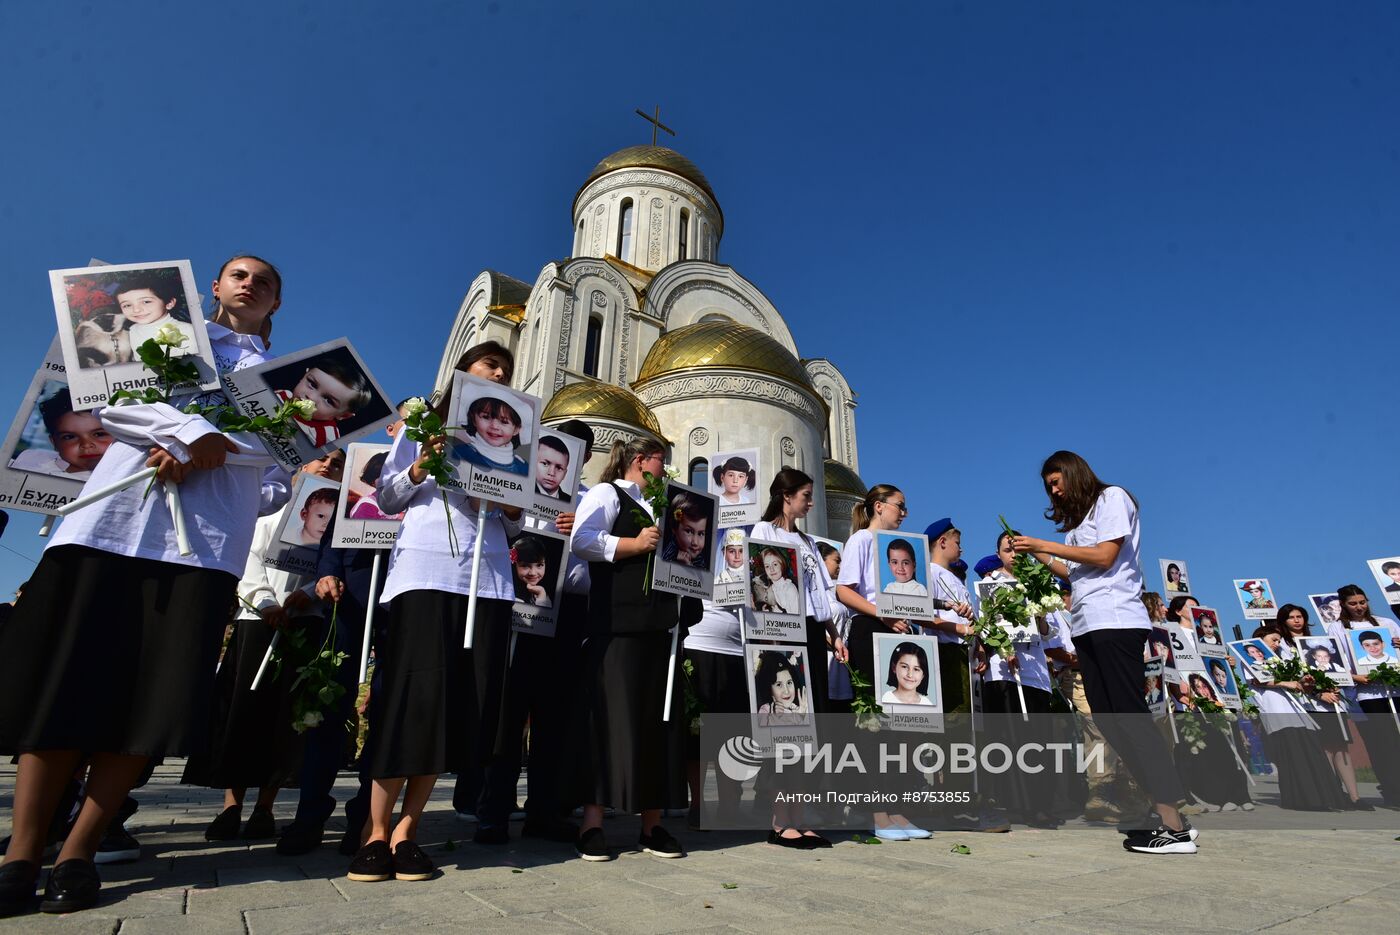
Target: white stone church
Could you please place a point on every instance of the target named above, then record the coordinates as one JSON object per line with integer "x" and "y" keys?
{"x": 644, "y": 332}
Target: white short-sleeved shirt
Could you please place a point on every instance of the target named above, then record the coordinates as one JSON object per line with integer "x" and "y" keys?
{"x": 720, "y": 630}
{"x": 1389, "y": 630}
{"x": 858, "y": 564}
{"x": 1108, "y": 598}
{"x": 941, "y": 584}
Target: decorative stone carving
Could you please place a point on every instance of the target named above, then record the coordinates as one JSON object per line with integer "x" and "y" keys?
{"x": 636, "y": 178}
{"x": 700, "y": 436}
{"x": 710, "y": 285}
{"x": 789, "y": 446}
{"x": 720, "y": 385}
{"x": 654, "y": 244}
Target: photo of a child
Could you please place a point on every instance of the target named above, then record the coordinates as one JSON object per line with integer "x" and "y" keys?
{"x": 780, "y": 692}
{"x": 64, "y": 443}
{"x": 1252, "y": 655}
{"x": 734, "y": 478}
{"x": 1207, "y": 626}
{"x": 686, "y": 537}
{"x": 337, "y": 387}
{"x": 531, "y": 567}
{"x": 909, "y": 664}
{"x": 731, "y": 565}
{"x": 773, "y": 579}
{"x": 366, "y": 464}
{"x": 1256, "y": 598}
{"x": 1387, "y": 574}
{"x": 312, "y": 516}
{"x": 553, "y": 468}
{"x": 902, "y": 562}
{"x": 1371, "y": 647}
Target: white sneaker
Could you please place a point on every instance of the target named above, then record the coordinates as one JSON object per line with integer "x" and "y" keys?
{"x": 1229, "y": 807}
{"x": 1162, "y": 841}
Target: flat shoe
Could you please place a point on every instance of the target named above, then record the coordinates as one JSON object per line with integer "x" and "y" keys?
{"x": 73, "y": 886}
{"x": 260, "y": 826}
{"x": 410, "y": 863}
{"x": 814, "y": 840}
{"x": 891, "y": 834}
{"x": 225, "y": 826}
{"x": 373, "y": 863}
{"x": 798, "y": 843}
{"x": 18, "y": 879}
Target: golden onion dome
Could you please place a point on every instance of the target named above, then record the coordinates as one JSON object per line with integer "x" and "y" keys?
{"x": 593, "y": 399}
{"x": 722, "y": 344}
{"x": 840, "y": 479}
{"x": 650, "y": 157}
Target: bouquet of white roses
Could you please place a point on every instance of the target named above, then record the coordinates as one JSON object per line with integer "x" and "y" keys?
{"x": 654, "y": 493}
{"x": 422, "y": 425}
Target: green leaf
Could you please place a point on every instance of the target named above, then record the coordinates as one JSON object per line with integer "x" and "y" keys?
{"x": 730, "y": 886}
{"x": 449, "y": 845}
{"x": 960, "y": 849}
{"x": 517, "y": 870}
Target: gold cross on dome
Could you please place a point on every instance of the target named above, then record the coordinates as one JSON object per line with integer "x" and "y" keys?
{"x": 655, "y": 121}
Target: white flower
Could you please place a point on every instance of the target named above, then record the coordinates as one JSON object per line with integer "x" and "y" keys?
{"x": 311, "y": 719}
{"x": 302, "y": 407}
{"x": 672, "y": 472}
{"x": 170, "y": 336}
{"x": 414, "y": 406}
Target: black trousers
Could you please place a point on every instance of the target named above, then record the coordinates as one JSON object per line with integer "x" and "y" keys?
{"x": 1111, "y": 663}
{"x": 1382, "y": 739}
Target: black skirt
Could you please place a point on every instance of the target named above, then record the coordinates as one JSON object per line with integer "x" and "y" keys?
{"x": 1212, "y": 775}
{"x": 112, "y": 654}
{"x": 1306, "y": 781}
{"x": 720, "y": 686}
{"x": 629, "y": 758}
{"x": 439, "y": 707}
{"x": 251, "y": 741}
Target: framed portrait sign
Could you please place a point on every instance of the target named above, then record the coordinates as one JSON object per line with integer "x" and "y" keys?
{"x": 775, "y": 593}
{"x": 105, "y": 314}
{"x": 297, "y": 541}
{"x": 685, "y": 559}
{"x": 558, "y": 467}
{"x": 1210, "y": 640}
{"x": 1154, "y": 687}
{"x": 1386, "y": 571}
{"x": 732, "y": 477}
{"x": 732, "y": 569}
{"x": 1175, "y": 582}
{"x": 901, "y": 565}
{"x": 1322, "y": 652}
{"x": 906, "y": 681}
{"x": 349, "y": 402}
{"x": 1253, "y": 656}
{"x": 1371, "y": 647}
{"x": 1215, "y": 682}
{"x": 780, "y": 694}
{"x": 1256, "y": 598}
{"x": 1328, "y": 607}
{"x": 493, "y": 444}
{"x": 359, "y": 523}
{"x": 51, "y": 447}
{"x": 539, "y": 560}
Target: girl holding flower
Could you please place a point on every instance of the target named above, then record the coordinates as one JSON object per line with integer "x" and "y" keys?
{"x": 109, "y": 654}
{"x": 1378, "y": 729}
{"x": 438, "y": 707}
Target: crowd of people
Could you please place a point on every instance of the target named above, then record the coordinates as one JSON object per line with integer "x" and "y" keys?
{"x": 116, "y": 657}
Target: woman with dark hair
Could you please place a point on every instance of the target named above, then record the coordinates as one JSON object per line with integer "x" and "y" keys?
{"x": 1175, "y": 583}
{"x": 1291, "y": 624}
{"x": 438, "y": 708}
{"x": 109, "y": 655}
{"x": 789, "y": 502}
{"x": 1378, "y": 730}
{"x": 1110, "y": 626}
{"x": 633, "y": 747}
{"x": 907, "y": 678}
{"x": 1210, "y": 774}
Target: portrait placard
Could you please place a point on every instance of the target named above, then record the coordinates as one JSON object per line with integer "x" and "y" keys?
{"x": 733, "y": 479}
{"x": 1175, "y": 582}
{"x": 492, "y": 445}
{"x": 685, "y": 560}
{"x": 775, "y": 593}
{"x": 780, "y": 702}
{"x": 349, "y": 403}
{"x": 1222, "y": 682}
{"x": 105, "y": 314}
{"x": 1253, "y": 656}
{"x": 731, "y": 568}
{"x": 1159, "y": 646}
{"x": 51, "y": 447}
{"x": 1154, "y": 687}
{"x": 1371, "y": 647}
{"x": 360, "y": 524}
{"x": 906, "y": 682}
{"x": 1386, "y": 571}
{"x": 297, "y": 540}
{"x": 1322, "y": 652}
{"x": 558, "y": 467}
{"x": 1209, "y": 641}
{"x": 901, "y": 565}
{"x": 539, "y": 560}
{"x": 1328, "y": 607}
{"x": 1256, "y": 598}
{"x": 1184, "y": 656}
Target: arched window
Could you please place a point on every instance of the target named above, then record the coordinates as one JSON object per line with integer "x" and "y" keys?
{"x": 578, "y": 244}
{"x": 685, "y": 234}
{"x": 624, "y": 232}
{"x": 592, "y": 344}
{"x": 698, "y": 472}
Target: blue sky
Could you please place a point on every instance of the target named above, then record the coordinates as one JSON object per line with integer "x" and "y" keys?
{"x": 1163, "y": 237}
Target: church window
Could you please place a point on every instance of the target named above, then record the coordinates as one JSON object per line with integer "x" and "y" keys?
{"x": 592, "y": 344}
{"x": 578, "y": 244}
{"x": 698, "y": 472}
{"x": 685, "y": 234}
{"x": 624, "y": 232}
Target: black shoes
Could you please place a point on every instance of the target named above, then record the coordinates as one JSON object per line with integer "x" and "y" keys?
{"x": 373, "y": 863}
{"x": 117, "y": 846}
{"x": 73, "y": 886}
{"x": 225, "y": 827}
{"x": 301, "y": 839}
{"x": 260, "y": 826}
{"x": 18, "y": 879}
{"x": 660, "y": 843}
{"x": 491, "y": 834}
{"x": 1163, "y": 840}
{"x": 410, "y": 863}
{"x": 550, "y": 829}
{"x": 593, "y": 846}
{"x": 799, "y": 843}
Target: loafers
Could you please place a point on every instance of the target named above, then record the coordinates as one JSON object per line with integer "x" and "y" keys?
{"x": 18, "y": 879}
{"x": 373, "y": 863}
{"x": 73, "y": 886}
{"x": 300, "y": 839}
{"x": 260, "y": 826}
{"x": 225, "y": 826}
{"x": 593, "y": 846}
{"x": 660, "y": 843}
{"x": 410, "y": 863}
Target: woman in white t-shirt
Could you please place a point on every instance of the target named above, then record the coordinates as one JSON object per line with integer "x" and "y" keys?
{"x": 1110, "y": 627}
{"x": 1378, "y": 729}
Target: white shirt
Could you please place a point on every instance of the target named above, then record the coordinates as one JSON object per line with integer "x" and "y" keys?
{"x": 1388, "y": 629}
{"x": 262, "y": 585}
{"x": 1108, "y": 598}
{"x": 1030, "y": 657}
{"x": 41, "y": 461}
{"x": 906, "y": 587}
{"x": 941, "y": 584}
{"x": 220, "y": 506}
{"x": 422, "y": 559}
{"x": 889, "y": 698}
{"x": 720, "y": 630}
{"x": 593, "y": 539}
{"x": 858, "y": 564}
{"x": 816, "y": 580}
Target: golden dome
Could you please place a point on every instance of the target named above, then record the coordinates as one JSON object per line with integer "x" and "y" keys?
{"x": 840, "y": 479}
{"x": 650, "y": 157}
{"x": 722, "y": 344}
{"x": 598, "y": 400}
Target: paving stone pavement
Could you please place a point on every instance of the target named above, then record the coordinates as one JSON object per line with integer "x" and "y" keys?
{"x": 1071, "y": 880}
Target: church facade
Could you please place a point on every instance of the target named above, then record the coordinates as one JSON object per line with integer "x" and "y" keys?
{"x": 644, "y": 332}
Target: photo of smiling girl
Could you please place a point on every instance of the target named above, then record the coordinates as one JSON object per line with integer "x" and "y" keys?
{"x": 494, "y": 434}
{"x": 735, "y": 477}
{"x": 530, "y": 565}
{"x": 906, "y": 672}
{"x": 774, "y": 579}
{"x": 687, "y": 531}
